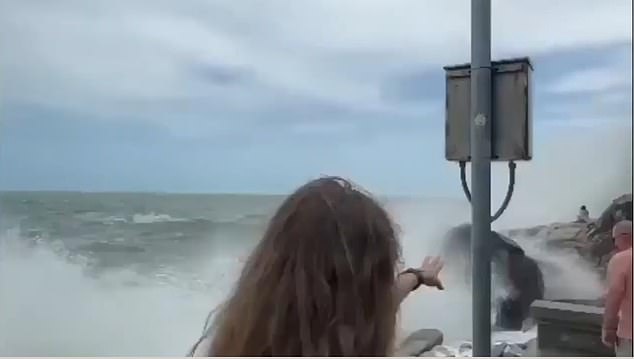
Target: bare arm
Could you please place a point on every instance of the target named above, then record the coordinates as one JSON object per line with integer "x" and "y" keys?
{"x": 615, "y": 294}
{"x": 405, "y": 283}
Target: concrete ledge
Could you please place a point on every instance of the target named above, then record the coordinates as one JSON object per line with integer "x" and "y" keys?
{"x": 568, "y": 329}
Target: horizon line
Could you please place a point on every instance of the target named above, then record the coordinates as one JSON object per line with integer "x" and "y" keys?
{"x": 185, "y": 193}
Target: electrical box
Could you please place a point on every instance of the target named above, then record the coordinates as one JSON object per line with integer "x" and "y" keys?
{"x": 511, "y": 102}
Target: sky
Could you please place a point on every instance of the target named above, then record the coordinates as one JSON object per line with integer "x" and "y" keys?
{"x": 262, "y": 95}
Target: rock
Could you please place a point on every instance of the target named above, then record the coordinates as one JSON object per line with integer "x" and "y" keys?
{"x": 465, "y": 349}
{"x": 440, "y": 351}
{"x": 565, "y": 231}
{"x": 599, "y": 246}
{"x": 620, "y": 208}
{"x": 502, "y": 349}
{"x": 526, "y": 232}
{"x": 512, "y": 269}
{"x": 592, "y": 241}
{"x": 531, "y": 348}
{"x": 419, "y": 342}
{"x": 513, "y": 350}
{"x": 499, "y": 349}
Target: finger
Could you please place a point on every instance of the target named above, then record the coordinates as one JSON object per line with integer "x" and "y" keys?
{"x": 436, "y": 265}
{"x": 440, "y": 263}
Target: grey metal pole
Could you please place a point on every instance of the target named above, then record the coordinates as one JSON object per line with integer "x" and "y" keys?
{"x": 481, "y": 175}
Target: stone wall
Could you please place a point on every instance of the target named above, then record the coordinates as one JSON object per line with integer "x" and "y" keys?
{"x": 568, "y": 329}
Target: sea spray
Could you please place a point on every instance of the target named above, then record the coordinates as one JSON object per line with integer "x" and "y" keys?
{"x": 61, "y": 297}
{"x": 52, "y": 307}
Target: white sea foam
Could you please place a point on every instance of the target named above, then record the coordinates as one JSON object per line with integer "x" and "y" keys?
{"x": 51, "y": 306}
{"x": 148, "y": 218}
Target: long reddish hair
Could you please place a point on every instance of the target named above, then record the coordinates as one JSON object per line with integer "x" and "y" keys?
{"x": 319, "y": 283}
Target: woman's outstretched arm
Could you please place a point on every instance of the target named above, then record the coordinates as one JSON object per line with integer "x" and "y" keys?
{"x": 405, "y": 284}
{"x": 427, "y": 275}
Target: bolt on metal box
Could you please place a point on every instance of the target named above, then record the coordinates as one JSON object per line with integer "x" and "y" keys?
{"x": 511, "y": 126}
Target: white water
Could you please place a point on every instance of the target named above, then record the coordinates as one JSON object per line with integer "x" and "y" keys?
{"x": 592, "y": 167}
{"x": 48, "y": 306}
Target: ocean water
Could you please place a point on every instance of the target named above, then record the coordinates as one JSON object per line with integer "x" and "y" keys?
{"x": 136, "y": 274}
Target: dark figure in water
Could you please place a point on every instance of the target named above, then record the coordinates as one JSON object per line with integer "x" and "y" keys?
{"x": 524, "y": 278}
{"x": 527, "y": 285}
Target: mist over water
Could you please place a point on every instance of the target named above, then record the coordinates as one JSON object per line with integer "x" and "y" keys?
{"x": 51, "y": 307}
{"x": 138, "y": 292}
{"x": 141, "y": 282}
{"x": 590, "y": 166}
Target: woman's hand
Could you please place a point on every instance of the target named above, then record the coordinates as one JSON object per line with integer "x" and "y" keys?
{"x": 431, "y": 269}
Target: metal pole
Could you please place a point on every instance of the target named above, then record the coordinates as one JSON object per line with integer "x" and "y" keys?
{"x": 481, "y": 175}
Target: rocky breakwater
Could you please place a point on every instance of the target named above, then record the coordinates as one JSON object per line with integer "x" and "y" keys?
{"x": 592, "y": 240}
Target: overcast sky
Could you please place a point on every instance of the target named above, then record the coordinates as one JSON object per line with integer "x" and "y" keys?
{"x": 258, "y": 96}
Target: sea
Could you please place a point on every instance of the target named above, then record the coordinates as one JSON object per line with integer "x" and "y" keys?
{"x": 136, "y": 274}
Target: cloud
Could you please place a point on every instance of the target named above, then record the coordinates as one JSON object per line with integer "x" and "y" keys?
{"x": 222, "y": 75}
{"x": 279, "y": 81}
{"x": 588, "y": 87}
{"x": 76, "y": 55}
{"x": 613, "y": 75}
{"x": 591, "y": 80}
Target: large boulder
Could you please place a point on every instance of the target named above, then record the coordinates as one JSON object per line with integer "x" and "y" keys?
{"x": 619, "y": 209}
{"x": 555, "y": 235}
{"x": 513, "y": 269}
{"x": 457, "y": 242}
{"x": 599, "y": 246}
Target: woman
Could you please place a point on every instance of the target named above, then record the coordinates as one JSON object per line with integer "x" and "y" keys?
{"x": 321, "y": 282}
